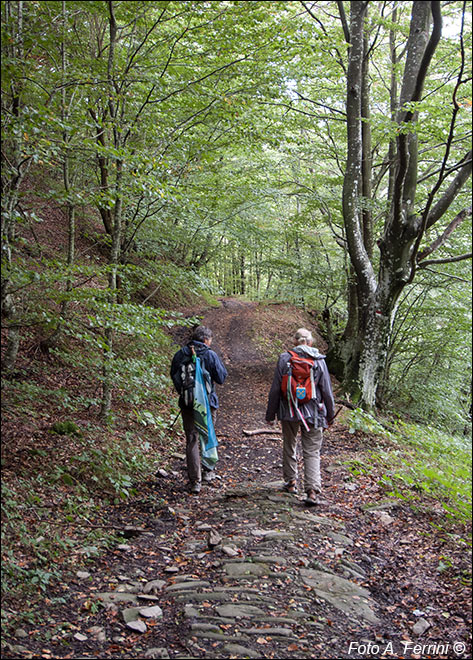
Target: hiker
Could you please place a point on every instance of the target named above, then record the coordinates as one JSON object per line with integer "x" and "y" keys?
{"x": 214, "y": 372}
{"x": 301, "y": 397}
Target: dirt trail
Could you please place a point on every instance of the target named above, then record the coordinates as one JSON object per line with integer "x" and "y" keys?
{"x": 243, "y": 397}
{"x": 247, "y": 571}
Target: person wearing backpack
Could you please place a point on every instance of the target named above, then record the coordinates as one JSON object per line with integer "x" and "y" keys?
{"x": 301, "y": 397}
{"x": 183, "y": 375}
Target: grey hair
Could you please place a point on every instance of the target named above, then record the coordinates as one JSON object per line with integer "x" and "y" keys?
{"x": 201, "y": 333}
{"x": 303, "y": 336}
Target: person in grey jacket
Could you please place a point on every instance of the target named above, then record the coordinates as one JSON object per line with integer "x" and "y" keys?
{"x": 317, "y": 414}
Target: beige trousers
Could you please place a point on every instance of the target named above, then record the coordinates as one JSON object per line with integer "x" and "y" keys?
{"x": 311, "y": 444}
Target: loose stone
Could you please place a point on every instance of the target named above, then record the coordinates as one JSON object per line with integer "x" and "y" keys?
{"x": 138, "y": 626}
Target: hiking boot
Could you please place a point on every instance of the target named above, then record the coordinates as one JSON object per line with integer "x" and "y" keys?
{"x": 194, "y": 487}
{"x": 290, "y": 487}
{"x": 312, "y": 497}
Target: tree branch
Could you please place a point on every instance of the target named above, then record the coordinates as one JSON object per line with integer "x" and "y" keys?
{"x": 452, "y": 191}
{"x": 446, "y": 234}
{"x": 447, "y": 260}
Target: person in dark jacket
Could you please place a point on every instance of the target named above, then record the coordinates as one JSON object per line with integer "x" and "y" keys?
{"x": 318, "y": 414}
{"x": 201, "y": 341}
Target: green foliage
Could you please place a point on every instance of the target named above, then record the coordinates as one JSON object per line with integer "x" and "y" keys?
{"x": 36, "y": 551}
{"x": 221, "y": 176}
{"x": 421, "y": 462}
{"x": 66, "y": 428}
{"x": 360, "y": 420}
{"x": 430, "y": 352}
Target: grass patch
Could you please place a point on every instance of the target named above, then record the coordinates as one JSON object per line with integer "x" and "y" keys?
{"x": 421, "y": 463}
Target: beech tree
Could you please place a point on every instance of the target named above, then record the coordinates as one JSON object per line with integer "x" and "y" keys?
{"x": 378, "y": 282}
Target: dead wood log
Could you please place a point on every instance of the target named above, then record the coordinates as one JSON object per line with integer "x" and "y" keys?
{"x": 261, "y": 431}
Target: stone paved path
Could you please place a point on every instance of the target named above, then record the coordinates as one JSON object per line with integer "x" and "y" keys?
{"x": 261, "y": 591}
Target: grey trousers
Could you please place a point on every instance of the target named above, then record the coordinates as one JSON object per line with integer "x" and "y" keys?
{"x": 311, "y": 444}
{"x": 194, "y": 468}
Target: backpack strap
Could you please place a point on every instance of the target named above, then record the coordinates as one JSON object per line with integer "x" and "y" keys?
{"x": 292, "y": 402}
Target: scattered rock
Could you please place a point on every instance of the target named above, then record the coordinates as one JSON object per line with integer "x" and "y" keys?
{"x": 80, "y": 637}
{"x": 98, "y": 633}
{"x": 420, "y": 627}
{"x": 190, "y": 611}
{"x": 162, "y": 473}
{"x": 213, "y": 539}
{"x": 116, "y": 597}
{"x": 123, "y": 547}
{"x": 19, "y": 632}
{"x": 130, "y": 531}
{"x": 231, "y": 552}
{"x": 137, "y": 626}
{"x": 384, "y": 517}
{"x": 181, "y": 457}
{"x": 154, "y": 612}
{"x": 156, "y": 653}
{"x": 154, "y": 586}
{"x": 83, "y": 575}
{"x": 89, "y": 550}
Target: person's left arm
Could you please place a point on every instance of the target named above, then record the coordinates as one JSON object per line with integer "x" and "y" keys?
{"x": 326, "y": 391}
{"x": 216, "y": 368}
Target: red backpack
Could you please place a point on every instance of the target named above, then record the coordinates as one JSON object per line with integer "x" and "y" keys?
{"x": 299, "y": 385}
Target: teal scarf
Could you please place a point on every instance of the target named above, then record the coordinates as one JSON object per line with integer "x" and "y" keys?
{"x": 203, "y": 420}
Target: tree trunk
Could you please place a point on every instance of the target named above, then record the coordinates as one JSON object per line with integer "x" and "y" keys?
{"x": 115, "y": 252}
{"x": 365, "y": 352}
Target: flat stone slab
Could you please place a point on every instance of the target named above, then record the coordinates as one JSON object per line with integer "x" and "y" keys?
{"x": 206, "y": 627}
{"x": 318, "y": 520}
{"x": 238, "y": 651}
{"x": 272, "y": 534}
{"x": 341, "y": 539}
{"x": 343, "y": 594}
{"x": 237, "y": 569}
{"x": 220, "y": 637}
{"x": 187, "y": 586}
{"x": 276, "y": 632}
{"x": 269, "y": 559}
{"x": 200, "y": 596}
{"x": 131, "y": 614}
{"x": 235, "y": 611}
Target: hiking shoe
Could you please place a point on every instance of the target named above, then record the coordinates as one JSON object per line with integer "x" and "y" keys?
{"x": 208, "y": 475}
{"x": 195, "y": 488}
{"x": 290, "y": 487}
{"x": 312, "y": 497}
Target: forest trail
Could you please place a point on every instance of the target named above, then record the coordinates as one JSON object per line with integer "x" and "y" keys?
{"x": 246, "y": 571}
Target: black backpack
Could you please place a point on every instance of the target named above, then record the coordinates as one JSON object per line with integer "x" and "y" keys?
{"x": 187, "y": 373}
